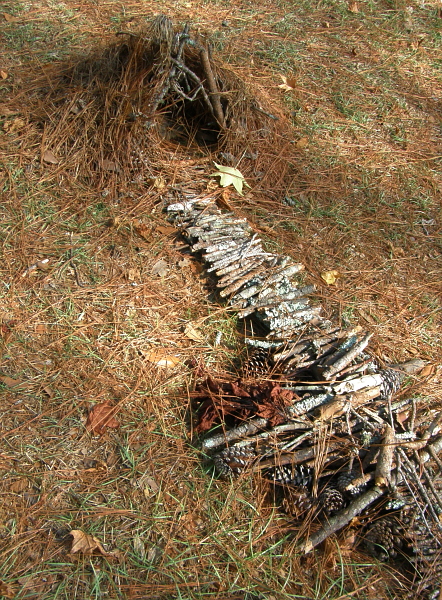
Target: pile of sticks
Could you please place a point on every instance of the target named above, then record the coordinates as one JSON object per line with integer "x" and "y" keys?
{"x": 345, "y": 448}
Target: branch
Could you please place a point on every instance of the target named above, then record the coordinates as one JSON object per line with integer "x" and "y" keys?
{"x": 342, "y": 518}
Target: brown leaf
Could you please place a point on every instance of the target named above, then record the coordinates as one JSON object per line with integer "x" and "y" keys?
{"x": 20, "y": 485}
{"x": 288, "y": 83}
{"x": 7, "y": 590}
{"x": 109, "y": 165}
{"x": 160, "y": 268}
{"x": 302, "y": 142}
{"x": 14, "y": 125}
{"x": 165, "y": 229}
{"x": 9, "y": 19}
{"x": 192, "y": 333}
{"x": 428, "y": 370}
{"x": 5, "y": 111}
{"x": 86, "y": 544}
{"x": 9, "y": 382}
{"x": 4, "y": 74}
{"x": 48, "y": 391}
{"x": 353, "y": 7}
{"x": 142, "y": 229}
{"x": 101, "y": 417}
{"x": 49, "y": 157}
{"x": 40, "y": 328}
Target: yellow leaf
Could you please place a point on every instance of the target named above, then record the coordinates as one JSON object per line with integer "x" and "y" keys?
{"x": 230, "y": 176}
{"x": 161, "y": 358}
{"x": 330, "y": 277}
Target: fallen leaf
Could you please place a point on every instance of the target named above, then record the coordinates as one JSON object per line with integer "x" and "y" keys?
{"x": 330, "y": 277}
{"x": 402, "y": 417}
{"x": 48, "y": 391}
{"x": 427, "y": 370}
{"x": 193, "y": 265}
{"x": 142, "y": 229}
{"x": 139, "y": 546}
{"x": 109, "y": 165}
{"x": 9, "y": 382}
{"x": 102, "y": 417}
{"x": 302, "y": 142}
{"x": 165, "y": 229}
{"x": 14, "y": 125}
{"x": 133, "y": 274}
{"x": 160, "y": 268}
{"x": 40, "y": 328}
{"x": 230, "y": 176}
{"x": 223, "y": 201}
{"x": 86, "y": 544}
{"x": 7, "y": 590}
{"x": 8, "y": 18}
{"x": 19, "y": 486}
{"x": 160, "y": 358}
{"x": 5, "y": 111}
{"x": 288, "y": 83}
{"x": 49, "y": 157}
{"x": 3, "y": 74}
{"x": 192, "y": 333}
{"x": 353, "y": 7}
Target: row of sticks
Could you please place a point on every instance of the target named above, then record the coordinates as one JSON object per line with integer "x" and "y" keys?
{"x": 252, "y": 280}
{"x": 343, "y": 447}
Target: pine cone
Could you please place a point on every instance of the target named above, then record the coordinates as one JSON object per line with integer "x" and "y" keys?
{"x": 391, "y": 382}
{"x": 344, "y": 484}
{"x": 296, "y": 501}
{"x": 258, "y": 363}
{"x": 295, "y": 475}
{"x": 384, "y": 538}
{"x": 233, "y": 461}
{"x": 331, "y": 501}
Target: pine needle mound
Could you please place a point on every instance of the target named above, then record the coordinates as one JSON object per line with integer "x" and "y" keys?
{"x": 136, "y": 106}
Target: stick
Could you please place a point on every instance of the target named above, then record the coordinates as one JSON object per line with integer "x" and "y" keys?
{"x": 384, "y": 465}
{"x": 345, "y": 360}
{"x": 214, "y": 94}
{"x": 342, "y": 518}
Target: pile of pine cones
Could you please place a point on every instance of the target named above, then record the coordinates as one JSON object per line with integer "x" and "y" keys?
{"x": 324, "y": 428}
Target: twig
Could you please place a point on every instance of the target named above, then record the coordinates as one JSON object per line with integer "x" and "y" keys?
{"x": 345, "y": 360}
{"x": 343, "y": 518}
{"x": 214, "y": 94}
{"x": 385, "y": 463}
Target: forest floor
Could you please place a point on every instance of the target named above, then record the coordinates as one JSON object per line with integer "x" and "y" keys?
{"x": 86, "y": 313}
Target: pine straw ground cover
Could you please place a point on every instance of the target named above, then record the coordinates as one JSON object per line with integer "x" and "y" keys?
{"x": 90, "y": 325}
